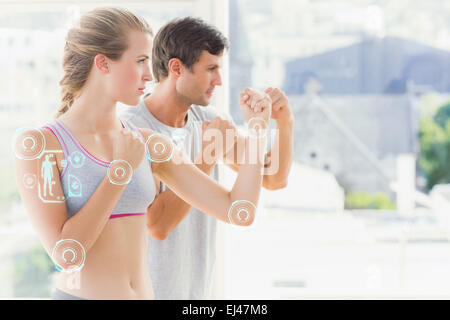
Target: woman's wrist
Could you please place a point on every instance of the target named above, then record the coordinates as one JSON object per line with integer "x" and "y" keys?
{"x": 120, "y": 172}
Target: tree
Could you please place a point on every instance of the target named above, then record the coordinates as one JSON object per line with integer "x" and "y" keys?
{"x": 434, "y": 138}
{"x": 442, "y": 115}
{"x": 365, "y": 200}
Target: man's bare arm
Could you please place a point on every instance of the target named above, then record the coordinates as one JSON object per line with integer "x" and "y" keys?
{"x": 168, "y": 210}
{"x": 279, "y": 157}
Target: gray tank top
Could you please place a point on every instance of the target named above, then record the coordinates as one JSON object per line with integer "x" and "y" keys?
{"x": 83, "y": 172}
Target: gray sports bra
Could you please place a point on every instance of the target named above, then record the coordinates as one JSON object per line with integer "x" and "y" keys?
{"x": 83, "y": 172}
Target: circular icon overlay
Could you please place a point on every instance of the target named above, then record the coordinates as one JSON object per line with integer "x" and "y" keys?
{"x": 29, "y": 180}
{"x": 120, "y": 172}
{"x": 76, "y": 159}
{"x": 158, "y": 148}
{"x": 241, "y": 213}
{"x": 69, "y": 255}
{"x": 29, "y": 143}
{"x": 257, "y": 127}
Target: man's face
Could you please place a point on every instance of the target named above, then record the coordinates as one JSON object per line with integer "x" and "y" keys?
{"x": 196, "y": 86}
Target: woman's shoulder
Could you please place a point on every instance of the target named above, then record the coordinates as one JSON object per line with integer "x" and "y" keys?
{"x": 51, "y": 140}
{"x": 32, "y": 145}
{"x": 30, "y": 142}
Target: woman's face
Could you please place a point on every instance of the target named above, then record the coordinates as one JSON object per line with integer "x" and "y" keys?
{"x": 128, "y": 75}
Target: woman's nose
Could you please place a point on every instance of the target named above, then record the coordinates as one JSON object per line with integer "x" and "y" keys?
{"x": 148, "y": 77}
{"x": 147, "y": 74}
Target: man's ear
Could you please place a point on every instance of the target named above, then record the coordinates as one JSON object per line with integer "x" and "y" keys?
{"x": 101, "y": 63}
{"x": 175, "y": 67}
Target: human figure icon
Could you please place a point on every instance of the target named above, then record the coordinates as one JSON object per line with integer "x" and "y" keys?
{"x": 47, "y": 174}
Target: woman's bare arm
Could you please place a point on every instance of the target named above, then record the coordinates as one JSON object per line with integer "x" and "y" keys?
{"x": 50, "y": 219}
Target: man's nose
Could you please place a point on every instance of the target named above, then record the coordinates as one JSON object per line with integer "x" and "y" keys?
{"x": 217, "y": 80}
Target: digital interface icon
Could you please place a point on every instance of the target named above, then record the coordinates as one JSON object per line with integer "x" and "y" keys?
{"x": 47, "y": 177}
{"x": 257, "y": 127}
{"x": 241, "y": 213}
{"x": 74, "y": 186}
{"x": 76, "y": 159}
{"x": 120, "y": 172}
{"x": 29, "y": 180}
{"x": 159, "y": 148}
{"x": 68, "y": 255}
{"x": 28, "y": 143}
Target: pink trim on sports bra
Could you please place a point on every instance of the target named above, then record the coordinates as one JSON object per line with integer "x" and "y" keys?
{"x": 97, "y": 160}
{"x": 126, "y": 214}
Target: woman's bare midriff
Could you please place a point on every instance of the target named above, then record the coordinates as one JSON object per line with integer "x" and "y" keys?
{"x": 115, "y": 266}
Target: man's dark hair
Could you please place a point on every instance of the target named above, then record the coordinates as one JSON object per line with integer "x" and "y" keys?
{"x": 185, "y": 39}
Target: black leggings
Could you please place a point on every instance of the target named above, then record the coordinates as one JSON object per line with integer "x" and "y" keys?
{"x": 61, "y": 295}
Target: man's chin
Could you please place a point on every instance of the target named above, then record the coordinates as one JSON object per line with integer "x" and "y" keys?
{"x": 203, "y": 103}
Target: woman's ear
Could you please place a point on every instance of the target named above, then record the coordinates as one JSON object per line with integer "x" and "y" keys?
{"x": 175, "y": 67}
{"x": 101, "y": 63}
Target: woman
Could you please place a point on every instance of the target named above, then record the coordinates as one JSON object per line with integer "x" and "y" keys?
{"x": 90, "y": 214}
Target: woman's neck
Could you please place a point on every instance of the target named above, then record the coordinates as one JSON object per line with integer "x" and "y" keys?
{"x": 92, "y": 113}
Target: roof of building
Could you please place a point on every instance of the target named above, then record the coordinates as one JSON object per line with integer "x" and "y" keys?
{"x": 374, "y": 65}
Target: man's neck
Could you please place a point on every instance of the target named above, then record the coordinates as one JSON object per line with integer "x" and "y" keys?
{"x": 164, "y": 105}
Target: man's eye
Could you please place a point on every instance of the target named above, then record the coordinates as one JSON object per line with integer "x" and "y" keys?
{"x": 141, "y": 61}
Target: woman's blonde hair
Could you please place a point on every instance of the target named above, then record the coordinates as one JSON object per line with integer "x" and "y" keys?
{"x": 101, "y": 31}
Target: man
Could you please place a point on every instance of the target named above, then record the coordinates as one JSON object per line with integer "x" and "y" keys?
{"x": 186, "y": 58}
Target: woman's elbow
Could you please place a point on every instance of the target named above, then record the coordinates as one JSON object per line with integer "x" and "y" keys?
{"x": 275, "y": 185}
{"x": 157, "y": 233}
{"x": 242, "y": 213}
{"x": 244, "y": 224}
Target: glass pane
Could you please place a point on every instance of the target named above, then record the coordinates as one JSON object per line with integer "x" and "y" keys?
{"x": 31, "y": 47}
{"x": 360, "y": 77}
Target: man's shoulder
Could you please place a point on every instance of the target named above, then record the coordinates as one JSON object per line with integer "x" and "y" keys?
{"x": 134, "y": 115}
{"x": 208, "y": 113}
{"x": 127, "y": 113}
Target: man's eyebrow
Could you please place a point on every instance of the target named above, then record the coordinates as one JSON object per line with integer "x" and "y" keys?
{"x": 143, "y": 56}
{"x": 213, "y": 65}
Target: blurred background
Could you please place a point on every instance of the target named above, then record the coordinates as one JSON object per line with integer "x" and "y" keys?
{"x": 366, "y": 211}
